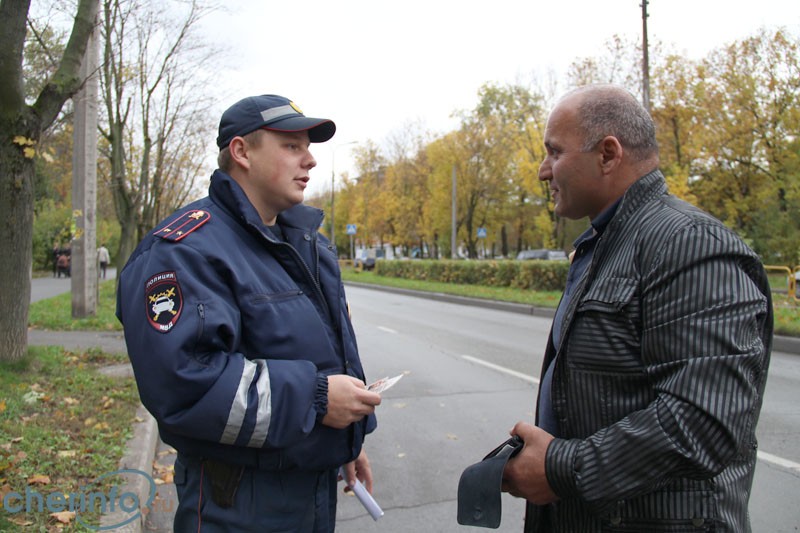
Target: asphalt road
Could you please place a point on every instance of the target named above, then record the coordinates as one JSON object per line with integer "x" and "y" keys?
{"x": 452, "y": 407}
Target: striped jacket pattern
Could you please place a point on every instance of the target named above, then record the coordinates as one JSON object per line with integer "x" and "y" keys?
{"x": 660, "y": 376}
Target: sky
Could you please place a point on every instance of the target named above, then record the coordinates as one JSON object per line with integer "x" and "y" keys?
{"x": 377, "y": 67}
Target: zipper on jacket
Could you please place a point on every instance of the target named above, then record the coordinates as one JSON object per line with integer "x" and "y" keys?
{"x": 277, "y": 297}
{"x": 306, "y": 268}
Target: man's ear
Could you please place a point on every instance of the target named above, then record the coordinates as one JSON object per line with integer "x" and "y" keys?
{"x": 239, "y": 152}
{"x": 612, "y": 152}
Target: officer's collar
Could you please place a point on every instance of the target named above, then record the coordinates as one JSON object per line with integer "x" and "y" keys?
{"x": 228, "y": 194}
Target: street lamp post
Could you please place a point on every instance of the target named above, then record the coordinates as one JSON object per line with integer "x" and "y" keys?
{"x": 333, "y": 187}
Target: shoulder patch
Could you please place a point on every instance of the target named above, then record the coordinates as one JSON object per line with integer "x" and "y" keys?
{"x": 184, "y": 225}
{"x": 163, "y": 301}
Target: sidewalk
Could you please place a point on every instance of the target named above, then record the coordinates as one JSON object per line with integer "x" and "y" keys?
{"x": 146, "y": 452}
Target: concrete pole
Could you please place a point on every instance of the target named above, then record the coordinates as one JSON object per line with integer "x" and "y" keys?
{"x": 453, "y": 253}
{"x": 84, "y": 188}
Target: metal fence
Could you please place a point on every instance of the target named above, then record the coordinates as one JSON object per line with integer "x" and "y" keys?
{"x": 791, "y": 275}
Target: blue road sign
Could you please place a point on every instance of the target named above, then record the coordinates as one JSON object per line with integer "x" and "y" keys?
{"x": 351, "y": 229}
{"x": 481, "y": 233}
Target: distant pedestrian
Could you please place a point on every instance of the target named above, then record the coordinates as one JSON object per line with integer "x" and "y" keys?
{"x": 62, "y": 264}
{"x": 56, "y": 253}
{"x": 104, "y": 258}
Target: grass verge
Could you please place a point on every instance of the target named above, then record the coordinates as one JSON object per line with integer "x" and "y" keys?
{"x": 56, "y": 313}
{"x": 62, "y": 425}
{"x": 506, "y": 294}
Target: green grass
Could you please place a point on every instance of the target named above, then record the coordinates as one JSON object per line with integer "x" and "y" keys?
{"x": 56, "y": 313}
{"x": 506, "y": 294}
{"x": 62, "y": 424}
{"x": 787, "y": 311}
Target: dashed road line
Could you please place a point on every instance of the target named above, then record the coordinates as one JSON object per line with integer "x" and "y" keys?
{"x": 504, "y": 370}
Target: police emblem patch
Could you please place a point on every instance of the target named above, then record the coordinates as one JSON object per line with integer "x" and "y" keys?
{"x": 163, "y": 301}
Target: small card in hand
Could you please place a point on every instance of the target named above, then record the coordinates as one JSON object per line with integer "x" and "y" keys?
{"x": 383, "y": 384}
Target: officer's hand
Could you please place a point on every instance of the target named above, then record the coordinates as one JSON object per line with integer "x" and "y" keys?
{"x": 358, "y": 469}
{"x": 524, "y": 475}
{"x": 348, "y": 401}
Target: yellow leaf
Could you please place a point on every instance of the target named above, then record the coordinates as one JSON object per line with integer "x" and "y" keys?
{"x": 90, "y": 421}
{"x": 21, "y": 140}
{"x": 39, "y": 479}
{"x": 100, "y": 426}
{"x": 65, "y": 517}
{"x": 28, "y": 152}
{"x": 2, "y": 405}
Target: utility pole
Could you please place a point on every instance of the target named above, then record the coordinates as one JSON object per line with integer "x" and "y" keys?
{"x": 645, "y": 59}
{"x": 453, "y": 254}
{"x": 83, "y": 260}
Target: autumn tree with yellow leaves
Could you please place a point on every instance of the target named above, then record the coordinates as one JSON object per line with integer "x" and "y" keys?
{"x": 728, "y": 128}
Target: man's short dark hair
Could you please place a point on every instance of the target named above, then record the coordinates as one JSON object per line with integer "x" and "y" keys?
{"x": 611, "y": 110}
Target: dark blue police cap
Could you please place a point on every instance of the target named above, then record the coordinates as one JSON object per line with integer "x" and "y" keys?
{"x": 272, "y": 112}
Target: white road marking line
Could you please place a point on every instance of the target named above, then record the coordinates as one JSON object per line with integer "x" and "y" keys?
{"x": 387, "y": 330}
{"x": 762, "y": 456}
{"x": 504, "y": 370}
{"x": 778, "y": 461}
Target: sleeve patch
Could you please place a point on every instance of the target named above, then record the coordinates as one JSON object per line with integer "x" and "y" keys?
{"x": 184, "y": 225}
{"x": 163, "y": 301}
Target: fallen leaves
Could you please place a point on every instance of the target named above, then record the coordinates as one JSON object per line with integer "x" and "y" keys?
{"x": 65, "y": 517}
{"x": 39, "y": 479}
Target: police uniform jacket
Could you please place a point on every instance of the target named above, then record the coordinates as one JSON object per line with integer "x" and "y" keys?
{"x": 232, "y": 333}
{"x": 660, "y": 374}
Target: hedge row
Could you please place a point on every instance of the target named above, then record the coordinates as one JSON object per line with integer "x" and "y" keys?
{"x": 533, "y": 275}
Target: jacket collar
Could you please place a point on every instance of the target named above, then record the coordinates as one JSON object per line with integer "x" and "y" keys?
{"x": 225, "y": 192}
{"x": 643, "y": 190}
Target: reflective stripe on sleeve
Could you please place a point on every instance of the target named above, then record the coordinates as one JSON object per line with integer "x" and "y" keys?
{"x": 264, "y": 411}
{"x": 239, "y": 407}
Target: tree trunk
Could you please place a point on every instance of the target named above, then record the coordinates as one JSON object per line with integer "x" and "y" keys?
{"x": 16, "y": 220}
{"x": 22, "y": 126}
{"x": 128, "y": 240}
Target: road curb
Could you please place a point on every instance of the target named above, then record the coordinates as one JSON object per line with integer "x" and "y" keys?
{"x": 780, "y": 343}
{"x": 139, "y": 454}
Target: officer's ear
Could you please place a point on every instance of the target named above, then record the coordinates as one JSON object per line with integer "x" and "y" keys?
{"x": 238, "y": 148}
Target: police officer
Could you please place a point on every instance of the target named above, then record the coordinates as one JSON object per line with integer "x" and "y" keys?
{"x": 237, "y": 328}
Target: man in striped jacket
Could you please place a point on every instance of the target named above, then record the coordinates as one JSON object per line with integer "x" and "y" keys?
{"x": 655, "y": 368}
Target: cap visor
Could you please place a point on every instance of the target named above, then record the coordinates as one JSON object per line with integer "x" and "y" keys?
{"x": 319, "y": 129}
